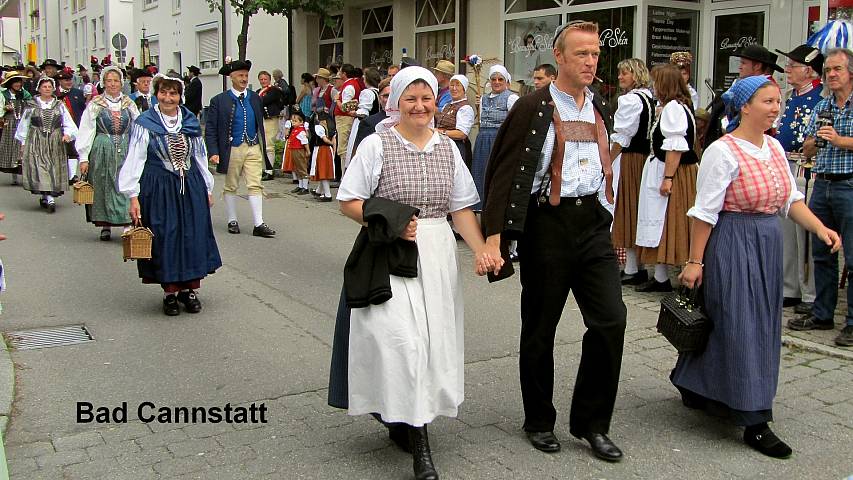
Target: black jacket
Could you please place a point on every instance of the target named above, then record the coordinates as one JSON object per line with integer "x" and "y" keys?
{"x": 272, "y": 101}
{"x": 379, "y": 252}
{"x": 192, "y": 95}
{"x": 367, "y": 126}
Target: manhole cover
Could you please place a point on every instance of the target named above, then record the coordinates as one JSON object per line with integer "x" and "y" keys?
{"x": 48, "y": 337}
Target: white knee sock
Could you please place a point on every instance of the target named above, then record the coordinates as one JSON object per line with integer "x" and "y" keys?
{"x": 325, "y": 188}
{"x": 257, "y": 209}
{"x": 661, "y": 273}
{"x": 631, "y": 266}
{"x": 293, "y": 174}
{"x": 305, "y": 183}
{"x": 50, "y": 199}
{"x": 72, "y": 167}
{"x": 231, "y": 207}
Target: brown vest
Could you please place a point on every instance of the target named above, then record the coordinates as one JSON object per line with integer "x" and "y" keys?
{"x": 446, "y": 119}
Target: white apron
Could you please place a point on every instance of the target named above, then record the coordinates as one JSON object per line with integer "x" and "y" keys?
{"x": 651, "y": 210}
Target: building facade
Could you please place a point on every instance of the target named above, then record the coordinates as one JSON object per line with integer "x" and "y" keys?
{"x": 519, "y": 33}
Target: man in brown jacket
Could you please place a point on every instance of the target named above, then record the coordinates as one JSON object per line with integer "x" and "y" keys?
{"x": 547, "y": 188}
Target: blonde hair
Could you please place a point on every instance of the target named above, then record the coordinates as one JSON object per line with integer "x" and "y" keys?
{"x": 637, "y": 68}
{"x": 575, "y": 25}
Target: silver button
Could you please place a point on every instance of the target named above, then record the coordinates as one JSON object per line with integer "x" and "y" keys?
{"x": 526, "y": 149}
{"x": 543, "y": 102}
{"x": 509, "y": 222}
{"x": 533, "y": 132}
{"x": 540, "y": 114}
{"x": 517, "y": 187}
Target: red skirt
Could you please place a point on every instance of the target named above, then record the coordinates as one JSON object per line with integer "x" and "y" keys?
{"x": 323, "y": 167}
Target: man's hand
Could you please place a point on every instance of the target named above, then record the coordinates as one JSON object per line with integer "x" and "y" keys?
{"x": 84, "y": 168}
{"x": 210, "y": 200}
{"x": 214, "y": 159}
{"x": 809, "y": 148}
{"x": 829, "y": 134}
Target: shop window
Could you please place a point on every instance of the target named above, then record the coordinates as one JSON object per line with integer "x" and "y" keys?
{"x": 672, "y": 30}
{"x": 435, "y": 31}
{"x": 429, "y": 13}
{"x": 732, "y": 32}
{"x": 436, "y": 45}
{"x": 332, "y": 30}
{"x": 377, "y": 52}
{"x": 332, "y": 40}
{"x": 331, "y": 53}
{"x": 616, "y": 34}
{"x": 519, "y": 6}
{"x": 528, "y": 45}
{"x": 377, "y": 20}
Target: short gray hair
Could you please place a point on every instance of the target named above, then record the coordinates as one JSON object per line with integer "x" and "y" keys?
{"x": 839, "y": 51}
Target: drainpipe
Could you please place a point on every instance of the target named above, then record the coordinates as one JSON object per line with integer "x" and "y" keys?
{"x": 463, "y": 35}
{"x": 224, "y": 40}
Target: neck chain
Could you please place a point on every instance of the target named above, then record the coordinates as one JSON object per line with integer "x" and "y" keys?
{"x": 109, "y": 99}
{"x": 169, "y": 123}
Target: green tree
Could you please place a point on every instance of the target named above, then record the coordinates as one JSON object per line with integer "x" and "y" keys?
{"x": 246, "y": 8}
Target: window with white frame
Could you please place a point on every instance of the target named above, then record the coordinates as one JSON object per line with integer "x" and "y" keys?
{"x": 208, "y": 48}
{"x": 75, "y": 31}
{"x": 377, "y": 37}
{"x": 94, "y": 34}
{"x": 146, "y": 4}
{"x": 103, "y": 32}
{"x": 83, "y": 34}
{"x": 176, "y": 6}
{"x": 74, "y": 5}
{"x": 154, "y": 52}
{"x": 331, "y": 40}
{"x": 81, "y": 4}
{"x": 435, "y": 31}
{"x": 66, "y": 50}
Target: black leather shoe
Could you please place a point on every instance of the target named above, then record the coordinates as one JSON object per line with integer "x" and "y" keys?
{"x": 105, "y": 235}
{"x": 43, "y": 202}
{"x": 809, "y": 322}
{"x": 73, "y": 180}
{"x": 233, "y": 227}
{"x": 765, "y": 441}
{"x": 190, "y": 301}
{"x": 654, "y": 286}
{"x": 421, "y": 455}
{"x": 324, "y": 199}
{"x": 263, "y": 230}
{"x": 315, "y": 193}
{"x": 304, "y": 191}
{"x": 638, "y": 278}
{"x": 544, "y": 441}
{"x": 603, "y": 447}
{"x": 51, "y": 207}
{"x": 804, "y": 308}
{"x": 266, "y": 176}
{"x": 296, "y": 190}
{"x": 171, "y": 306}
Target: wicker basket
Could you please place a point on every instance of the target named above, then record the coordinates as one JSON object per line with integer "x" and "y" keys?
{"x": 136, "y": 243}
{"x": 84, "y": 193}
{"x": 683, "y": 322}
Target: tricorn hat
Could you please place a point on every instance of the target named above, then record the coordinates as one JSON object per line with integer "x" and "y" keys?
{"x": 64, "y": 74}
{"x": 757, "y": 53}
{"x": 807, "y": 55}
{"x": 194, "y": 69}
{"x": 235, "y": 66}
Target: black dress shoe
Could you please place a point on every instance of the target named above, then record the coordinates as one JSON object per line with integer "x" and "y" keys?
{"x": 809, "y": 322}
{"x": 804, "y": 308}
{"x": 654, "y": 286}
{"x": 790, "y": 302}
{"x": 263, "y": 230}
{"x": 296, "y": 190}
{"x": 315, "y": 193}
{"x": 761, "y": 438}
{"x": 324, "y": 199}
{"x": 265, "y": 177}
{"x": 603, "y": 447}
{"x": 303, "y": 191}
{"x": 639, "y": 278}
{"x": 105, "y": 235}
{"x": 421, "y": 455}
{"x": 190, "y": 301}
{"x": 544, "y": 441}
{"x": 171, "y": 306}
{"x": 233, "y": 227}
{"x": 51, "y": 207}
{"x": 43, "y": 202}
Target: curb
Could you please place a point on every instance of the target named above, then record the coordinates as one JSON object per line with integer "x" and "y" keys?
{"x": 789, "y": 341}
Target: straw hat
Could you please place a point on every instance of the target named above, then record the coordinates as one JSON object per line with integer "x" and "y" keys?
{"x": 323, "y": 73}
{"x": 445, "y": 66}
{"x": 11, "y": 75}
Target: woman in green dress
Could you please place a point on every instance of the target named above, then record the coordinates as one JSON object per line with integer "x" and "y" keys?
{"x": 102, "y": 146}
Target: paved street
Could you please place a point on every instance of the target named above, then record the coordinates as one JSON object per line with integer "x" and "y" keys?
{"x": 265, "y": 336}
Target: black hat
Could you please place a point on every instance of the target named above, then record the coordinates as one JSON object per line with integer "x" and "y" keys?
{"x": 194, "y": 69}
{"x": 50, "y": 63}
{"x": 807, "y": 55}
{"x": 138, "y": 73}
{"x": 64, "y": 74}
{"x": 409, "y": 62}
{"x": 235, "y": 66}
{"x": 760, "y": 54}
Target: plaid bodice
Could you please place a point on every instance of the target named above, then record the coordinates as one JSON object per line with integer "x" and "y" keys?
{"x": 421, "y": 179}
{"x": 762, "y": 186}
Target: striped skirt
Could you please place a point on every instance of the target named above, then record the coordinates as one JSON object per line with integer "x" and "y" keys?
{"x": 482, "y": 151}
{"x": 743, "y": 298}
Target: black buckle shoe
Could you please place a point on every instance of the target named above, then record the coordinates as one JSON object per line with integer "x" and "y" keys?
{"x": 544, "y": 441}
{"x": 233, "y": 227}
{"x": 266, "y": 176}
{"x": 603, "y": 447}
{"x": 638, "y": 278}
{"x": 296, "y": 190}
{"x": 190, "y": 301}
{"x": 421, "y": 455}
{"x": 43, "y": 202}
{"x": 324, "y": 199}
{"x": 766, "y": 442}
{"x": 809, "y": 322}
{"x": 171, "y": 306}
{"x": 654, "y": 286}
{"x": 105, "y": 235}
{"x": 263, "y": 230}
{"x": 51, "y": 207}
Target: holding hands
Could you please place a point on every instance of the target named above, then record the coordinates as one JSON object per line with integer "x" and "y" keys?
{"x": 411, "y": 230}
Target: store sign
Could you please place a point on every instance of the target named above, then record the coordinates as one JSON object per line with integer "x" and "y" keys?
{"x": 670, "y": 30}
{"x": 730, "y": 33}
{"x": 728, "y": 44}
{"x": 540, "y": 42}
{"x": 444, "y": 52}
{"x": 381, "y": 58}
{"x": 613, "y": 37}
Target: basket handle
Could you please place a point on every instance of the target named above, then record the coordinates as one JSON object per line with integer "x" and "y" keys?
{"x": 690, "y": 297}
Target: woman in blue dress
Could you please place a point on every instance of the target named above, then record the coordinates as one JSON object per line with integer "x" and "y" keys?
{"x": 170, "y": 189}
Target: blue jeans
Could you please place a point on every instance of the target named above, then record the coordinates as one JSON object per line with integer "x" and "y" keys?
{"x": 832, "y": 203}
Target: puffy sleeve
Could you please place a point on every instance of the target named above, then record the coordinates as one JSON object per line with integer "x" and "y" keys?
{"x": 68, "y": 126}
{"x": 131, "y": 171}
{"x": 673, "y": 126}
{"x": 86, "y": 132}
{"x": 511, "y": 101}
{"x": 302, "y": 137}
{"x": 362, "y": 175}
{"x": 464, "y": 192}
{"x": 795, "y": 195}
{"x": 134, "y": 111}
{"x": 347, "y": 94}
{"x": 465, "y": 119}
{"x": 365, "y": 101}
{"x": 716, "y": 172}
{"x": 626, "y": 120}
{"x": 24, "y": 126}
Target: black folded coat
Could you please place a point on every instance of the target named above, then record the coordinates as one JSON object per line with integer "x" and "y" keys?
{"x": 379, "y": 252}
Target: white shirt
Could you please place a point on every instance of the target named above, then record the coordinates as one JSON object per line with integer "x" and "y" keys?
{"x": 237, "y": 93}
{"x": 347, "y": 94}
{"x": 464, "y": 117}
{"x": 365, "y": 100}
{"x": 582, "y": 174}
{"x": 137, "y": 153}
{"x": 68, "y": 126}
{"x": 362, "y": 177}
{"x": 694, "y": 96}
{"x": 626, "y": 120}
{"x": 719, "y": 168}
{"x": 673, "y": 127}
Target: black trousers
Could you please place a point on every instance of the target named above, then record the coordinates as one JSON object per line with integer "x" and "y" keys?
{"x": 569, "y": 248}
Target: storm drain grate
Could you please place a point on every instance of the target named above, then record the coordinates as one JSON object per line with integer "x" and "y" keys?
{"x": 48, "y": 337}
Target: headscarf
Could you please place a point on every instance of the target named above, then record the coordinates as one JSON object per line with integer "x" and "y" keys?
{"x": 45, "y": 78}
{"x": 111, "y": 68}
{"x": 461, "y": 79}
{"x": 501, "y": 70}
{"x": 737, "y": 96}
{"x": 399, "y": 83}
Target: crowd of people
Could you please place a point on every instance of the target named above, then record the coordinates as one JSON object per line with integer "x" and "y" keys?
{"x": 562, "y": 184}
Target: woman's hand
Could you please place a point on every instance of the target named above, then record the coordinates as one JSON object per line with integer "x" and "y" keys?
{"x": 486, "y": 262}
{"x": 214, "y": 159}
{"x": 666, "y": 187}
{"x": 135, "y": 211}
{"x": 691, "y": 275}
{"x": 830, "y": 238}
{"x": 66, "y": 139}
{"x": 411, "y": 230}
{"x": 84, "y": 168}
{"x": 210, "y": 200}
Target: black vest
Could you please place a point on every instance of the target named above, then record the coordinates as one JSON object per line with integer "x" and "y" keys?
{"x": 688, "y": 157}
{"x": 641, "y": 143}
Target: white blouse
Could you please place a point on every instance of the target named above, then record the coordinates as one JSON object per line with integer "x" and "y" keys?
{"x": 68, "y": 126}
{"x": 464, "y": 117}
{"x": 694, "y": 96}
{"x": 88, "y": 125}
{"x": 137, "y": 154}
{"x": 626, "y": 120}
{"x": 362, "y": 177}
{"x": 365, "y": 100}
{"x": 719, "y": 168}
{"x": 673, "y": 127}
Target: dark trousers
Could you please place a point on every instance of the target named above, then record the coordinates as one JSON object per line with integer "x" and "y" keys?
{"x": 568, "y": 248}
